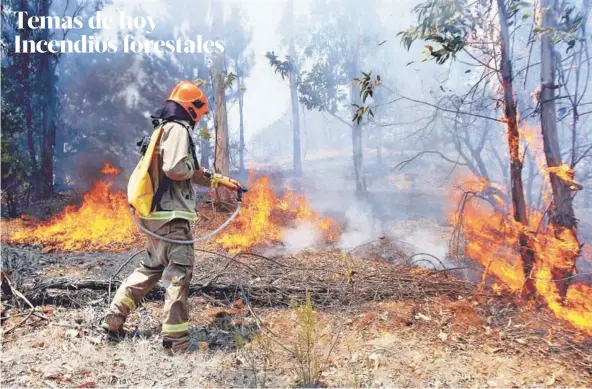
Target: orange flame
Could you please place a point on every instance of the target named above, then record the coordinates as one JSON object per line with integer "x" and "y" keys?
{"x": 492, "y": 239}
{"x": 265, "y": 217}
{"x": 102, "y": 222}
{"x": 489, "y": 233}
{"x": 109, "y": 170}
{"x": 567, "y": 175}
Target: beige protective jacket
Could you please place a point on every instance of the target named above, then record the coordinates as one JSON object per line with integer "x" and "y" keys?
{"x": 173, "y": 159}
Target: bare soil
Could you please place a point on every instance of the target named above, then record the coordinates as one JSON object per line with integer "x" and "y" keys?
{"x": 411, "y": 336}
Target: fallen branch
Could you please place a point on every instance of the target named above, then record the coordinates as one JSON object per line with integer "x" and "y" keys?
{"x": 26, "y": 300}
{"x": 276, "y": 282}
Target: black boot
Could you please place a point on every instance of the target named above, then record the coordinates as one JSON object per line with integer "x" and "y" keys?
{"x": 113, "y": 327}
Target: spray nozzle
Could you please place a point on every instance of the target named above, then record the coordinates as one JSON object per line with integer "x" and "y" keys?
{"x": 239, "y": 193}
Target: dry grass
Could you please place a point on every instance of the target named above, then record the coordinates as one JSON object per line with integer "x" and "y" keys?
{"x": 428, "y": 329}
{"x": 403, "y": 344}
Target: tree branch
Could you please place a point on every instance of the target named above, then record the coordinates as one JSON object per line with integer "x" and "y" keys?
{"x": 402, "y": 164}
{"x": 340, "y": 119}
{"x": 451, "y": 110}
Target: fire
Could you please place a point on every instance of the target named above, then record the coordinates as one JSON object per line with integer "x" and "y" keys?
{"x": 109, "y": 170}
{"x": 490, "y": 234}
{"x": 567, "y": 175}
{"x": 492, "y": 239}
{"x": 102, "y": 222}
{"x": 265, "y": 218}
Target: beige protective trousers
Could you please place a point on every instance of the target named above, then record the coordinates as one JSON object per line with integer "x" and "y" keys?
{"x": 173, "y": 263}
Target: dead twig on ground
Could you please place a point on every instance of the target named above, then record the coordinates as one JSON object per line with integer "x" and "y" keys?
{"x": 22, "y": 297}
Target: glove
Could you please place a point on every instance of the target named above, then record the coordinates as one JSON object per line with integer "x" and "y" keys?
{"x": 237, "y": 185}
{"x": 219, "y": 179}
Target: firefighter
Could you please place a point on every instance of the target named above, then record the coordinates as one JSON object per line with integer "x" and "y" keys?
{"x": 173, "y": 169}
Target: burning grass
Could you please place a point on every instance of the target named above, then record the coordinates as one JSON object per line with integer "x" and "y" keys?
{"x": 492, "y": 238}
{"x": 103, "y": 221}
{"x": 265, "y": 217}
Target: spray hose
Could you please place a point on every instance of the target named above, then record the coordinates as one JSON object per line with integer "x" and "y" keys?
{"x": 239, "y": 200}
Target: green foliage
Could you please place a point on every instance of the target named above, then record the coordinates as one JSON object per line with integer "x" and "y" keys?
{"x": 229, "y": 80}
{"x": 367, "y": 87}
{"x": 284, "y": 68}
{"x": 205, "y": 133}
{"x": 449, "y": 26}
{"x": 516, "y": 6}
{"x": 567, "y": 29}
{"x": 16, "y": 167}
{"x": 202, "y": 83}
{"x": 447, "y": 23}
{"x": 319, "y": 88}
{"x": 361, "y": 110}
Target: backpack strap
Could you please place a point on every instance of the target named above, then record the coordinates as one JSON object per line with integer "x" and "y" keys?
{"x": 166, "y": 182}
{"x": 191, "y": 143}
{"x": 162, "y": 187}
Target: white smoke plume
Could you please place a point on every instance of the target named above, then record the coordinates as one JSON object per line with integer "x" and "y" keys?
{"x": 360, "y": 227}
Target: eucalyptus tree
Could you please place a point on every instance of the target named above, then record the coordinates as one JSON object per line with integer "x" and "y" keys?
{"x": 486, "y": 32}
{"x": 336, "y": 50}
{"x": 38, "y": 100}
{"x": 290, "y": 69}
{"x": 238, "y": 37}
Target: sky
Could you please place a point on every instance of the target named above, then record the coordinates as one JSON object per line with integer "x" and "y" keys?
{"x": 260, "y": 109}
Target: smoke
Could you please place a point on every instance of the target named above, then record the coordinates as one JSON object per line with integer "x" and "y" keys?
{"x": 360, "y": 227}
{"x": 427, "y": 242}
{"x": 422, "y": 236}
{"x": 304, "y": 236}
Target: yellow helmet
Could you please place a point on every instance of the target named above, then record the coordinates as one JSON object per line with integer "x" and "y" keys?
{"x": 191, "y": 98}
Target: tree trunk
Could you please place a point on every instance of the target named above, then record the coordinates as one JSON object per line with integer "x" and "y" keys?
{"x": 222, "y": 156}
{"x": 241, "y": 148}
{"x": 49, "y": 112}
{"x": 511, "y": 117}
{"x": 47, "y": 150}
{"x": 23, "y": 64}
{"x": 378, "y": 101}
{"x": 561, "y": 211}
{"x": 357, "y": 147}
{"x": 358, "y": 157}
{"x": 222, "y": 143}
{"x": 204, "y": 146}
{"x": 294, "y": 94}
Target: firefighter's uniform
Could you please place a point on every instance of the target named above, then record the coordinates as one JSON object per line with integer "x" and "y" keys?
{"x": 173, "y": 263}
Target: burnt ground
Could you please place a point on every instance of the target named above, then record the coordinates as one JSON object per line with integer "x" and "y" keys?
{"x": 377, "y": 323}
{"x": 378, "y": 320}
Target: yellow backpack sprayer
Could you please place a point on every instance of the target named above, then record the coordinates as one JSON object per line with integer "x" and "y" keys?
{"x": 141, "y": 195}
